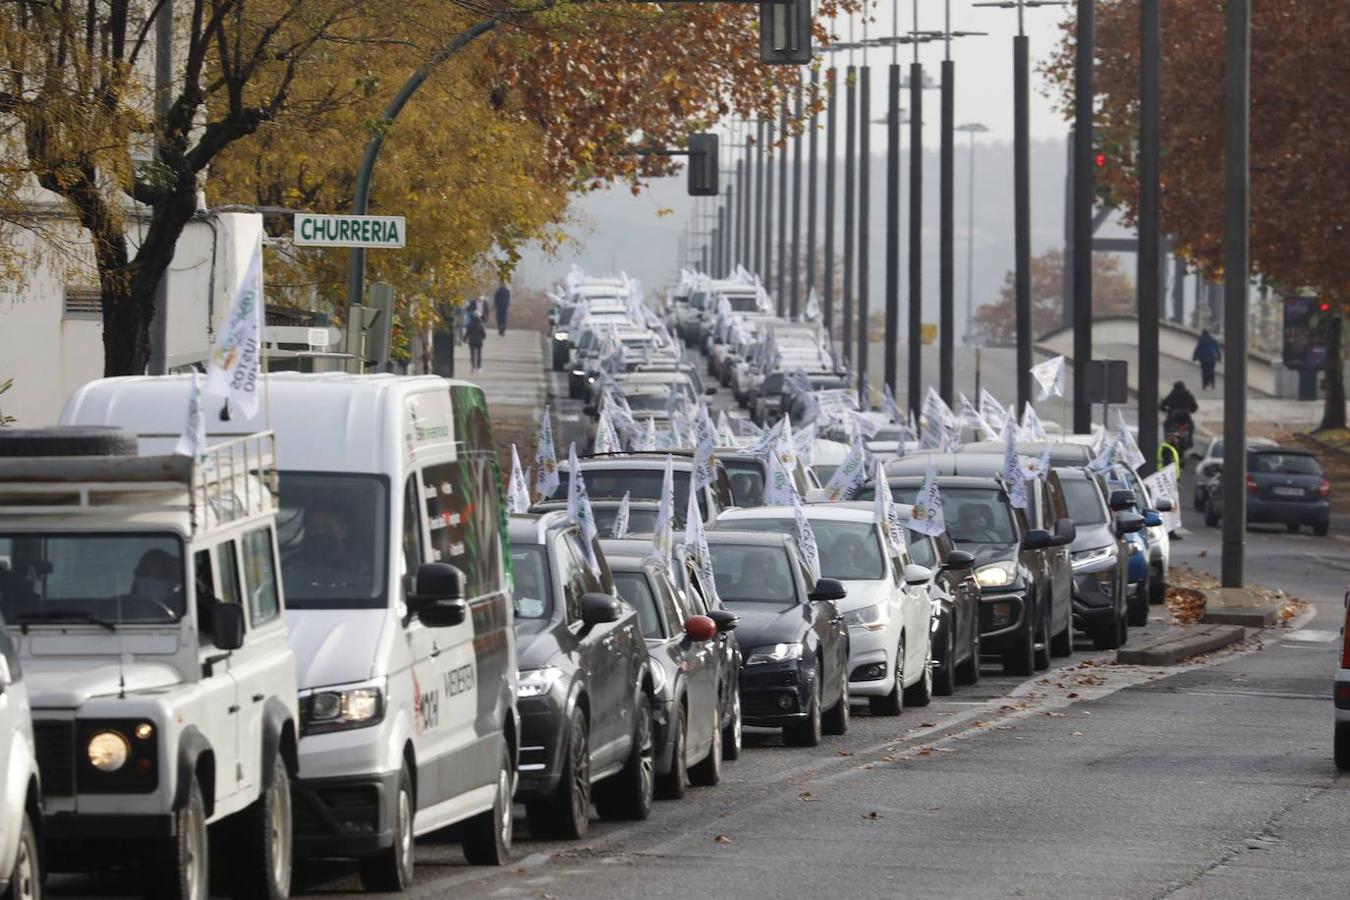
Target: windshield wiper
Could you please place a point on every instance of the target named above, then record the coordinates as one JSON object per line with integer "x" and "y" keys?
{"x": 67, "y": 615}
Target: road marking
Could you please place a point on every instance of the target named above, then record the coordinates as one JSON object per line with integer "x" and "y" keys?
{"x": 1312, "y": 636}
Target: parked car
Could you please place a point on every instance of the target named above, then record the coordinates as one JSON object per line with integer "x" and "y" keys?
{"x": 1155, "y": 531}
{"x": 688, "y": 675}
{"x": 794, "y": 641}
{"x": 585, "y": 688}
{"x": 888, "y": 610}
{"x": 21, "y": 797}
{"x": 560, "y": 342}
{"x": 956, "y": 609}
{"x": 126, "y": 601}
{"x": 1285, "y": 486}
{"x": 1100, "y": 559}
{"x": 641, "y": 516}
{"x": 747, "y": 472}
{"x": 1341, "y": 696}
{"x": 1211, "y": 461}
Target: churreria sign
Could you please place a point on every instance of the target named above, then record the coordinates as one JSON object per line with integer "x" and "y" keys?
{"x": 313, "y": 230}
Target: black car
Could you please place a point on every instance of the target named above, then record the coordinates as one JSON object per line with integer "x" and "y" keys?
{"x": 956, "y": 603}
{"x": 1026, "y": 590}
{"x": 560, "y": 342}
{"x": 585, "y": 686}
{"x": 1285, "y": 486}
{"x": 688, "y": 672}
{"x": 794, "y": 641}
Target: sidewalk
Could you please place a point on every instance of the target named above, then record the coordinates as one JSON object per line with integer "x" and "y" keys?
{"x": 513, "y": 376}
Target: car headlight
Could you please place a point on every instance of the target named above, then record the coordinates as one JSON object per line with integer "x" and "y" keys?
{"x": 996, "y": 574}
{"x": 108, "y": 751}
{"x": 537, "y": 682}
{"x": 658, "y": 679}
{"x": 776, "y": 653}
{"x": 560, "y": 335}
{"x": 340, "y": 709}
{"x": 1084, "y": 558}
{"x": 873, "y": 618}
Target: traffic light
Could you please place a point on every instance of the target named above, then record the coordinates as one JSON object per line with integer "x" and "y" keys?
{"x": 785, "y": 32}
{"x": 703, "y": 165}
{"x": 1099, "y": 159}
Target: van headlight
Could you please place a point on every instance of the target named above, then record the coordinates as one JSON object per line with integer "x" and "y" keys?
{"x": 873, "y": 618}
{"x": 341, "y": 709}
{"x": 774, "y": 653}
{"x": 537, "y": 682}
{"x": 108, "y": 751}
{"x": 999, "y": 574}
{"x": 1084, "y": 558}
{"x": 560, "y": 335}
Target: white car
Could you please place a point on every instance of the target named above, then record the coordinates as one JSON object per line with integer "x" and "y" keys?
{"x": 1341, "y": 693}
{"x": 20, "y": 803}
{"x": 888, "y": 610}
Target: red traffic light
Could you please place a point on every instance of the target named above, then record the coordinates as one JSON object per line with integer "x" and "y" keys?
{"x": 1099, "y": 159}
{"x": 1325, "y": 307}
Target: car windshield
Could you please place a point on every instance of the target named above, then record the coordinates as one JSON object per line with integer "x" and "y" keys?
{"x": 743, "y": 302}
{"x": 640, "y": 521}
{"x": 849, "y": 551}
{"x": 332, "y": 533}
{"x": 747, "y": 481}
{"x": 1084, "y": 501}
{"x": 921, "y": 549}
{"x": 639, "y": 484}
{"x": 648, "y": 401}
{"x": 634, "y": 588}
{"x": 1216, "y": 449}
{"x": 973, "y": 515}
{"x": 824, "y": 472}
{"x": 748, "y": 574}
{"x": 532, "y": 587}
{"x": 565, "y": 314}
{"x": 773, "y": 384}
{"x": 106, "y": 579}
{"x": 1284, "y": 464}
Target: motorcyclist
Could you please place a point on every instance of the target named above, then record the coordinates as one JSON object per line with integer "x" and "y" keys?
{"x": 1178, "y": 405}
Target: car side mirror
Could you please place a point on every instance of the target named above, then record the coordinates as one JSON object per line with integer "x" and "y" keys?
{"x": 1066, "y": 532}
{"x": 1121, "y": 500}
{"x": 710, "y": 389}
{"x": 588, "y": 410}
{"x": 916, "y": 574}
{"x": 1164, "y": 504}
{"x": 726, "y": 619}
{"x": 1038, "y": 539}
{"x": 1152, "y": 519}
{"x": 957, "y": 560}
{"x": 227, "y": 625}
{"x": 599, "y": 609}
{"x": 438, "y": 595}
{"x": 700, "y": 628}
{"x": 828, "y": 589}
{"x": 1129, "y": 523}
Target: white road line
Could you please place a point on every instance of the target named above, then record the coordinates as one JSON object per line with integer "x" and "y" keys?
{"x": 1312, "y": 636}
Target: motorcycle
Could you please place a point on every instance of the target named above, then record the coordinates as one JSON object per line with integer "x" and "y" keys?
{"x": 1180, "y": 434}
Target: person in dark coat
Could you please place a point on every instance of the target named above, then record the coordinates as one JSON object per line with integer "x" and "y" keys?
{"x": 1178, "y": 405}
{"x": 1207, "y": 354}
{"x": 502, "y": 301}
{"x": 475, "y": 333}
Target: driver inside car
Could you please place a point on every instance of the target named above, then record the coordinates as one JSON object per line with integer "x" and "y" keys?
{"x": 761, "y": 578}
{"x": 974, "y": 519}
{"x": 157, "y": 585}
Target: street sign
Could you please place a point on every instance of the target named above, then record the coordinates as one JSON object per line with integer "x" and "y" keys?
{"x": 1107, "y": 381}
{"x": 380, "y": 232}
{"x": 1307, "y": 332}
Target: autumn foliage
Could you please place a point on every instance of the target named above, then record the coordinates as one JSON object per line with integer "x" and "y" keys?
{"x": 1113, "y": 294}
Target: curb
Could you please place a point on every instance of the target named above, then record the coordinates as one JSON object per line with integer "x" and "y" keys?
{"x": 1252, "y": 618}
{"x": 1171, "y": 649}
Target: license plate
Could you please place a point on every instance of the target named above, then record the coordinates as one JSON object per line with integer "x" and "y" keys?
{"x": 1287, "y": 491}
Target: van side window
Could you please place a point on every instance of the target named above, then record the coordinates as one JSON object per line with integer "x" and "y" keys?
{"x": 260, "y": 573}
{"x": 1058, "y": 504}
{"x": 412, "y": 530}
{"x": 205, "y": 583}
{"x": 698, "y": 604}
{"x": 669, "y": 606}
{"x": 590, "y": 582}
{"x": 227, "y": 562}
{"x": 464, "y": 518}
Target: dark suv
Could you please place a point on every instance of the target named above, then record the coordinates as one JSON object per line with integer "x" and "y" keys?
{"x": 585, "y": 689}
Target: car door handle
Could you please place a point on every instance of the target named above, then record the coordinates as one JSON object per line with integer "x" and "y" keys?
{"x": 435, "y": 652}
{"x": 233, "y": 709}
{"x": 258, "y": 698}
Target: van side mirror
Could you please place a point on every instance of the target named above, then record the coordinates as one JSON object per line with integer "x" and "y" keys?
{"x": 957, "y": 560}
{"x": 1121, "y": 500}
{"x": 1164, "y": 504}
{"x": 916, "y": 574}
{"x": 827, "y": 589}
{"x": 1038, "y": 539}
{"x": 599, "y": 609}
{"x": 227, "y": 625}
{"x": 438, "y": 595}
{"x": 1129, "y": 523}
{"x": 1066, "y": 532}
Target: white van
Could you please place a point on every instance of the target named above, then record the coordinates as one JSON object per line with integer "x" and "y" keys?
{"x": 393, "y": 555}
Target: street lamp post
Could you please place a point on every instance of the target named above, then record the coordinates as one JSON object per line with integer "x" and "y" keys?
{"x": 796, "y": 282}
{"x": 831, "y": 144}
{"x": 864, "y": 222}
{"x": 1149, "y": 267}
{"x": 757, "y": 242}
{"x": 972, "y": 129}
{"x": 1082, "y": 212}
{"x": 811, "y": 168}
{"x": 850, "y": 156}
{"x": 781, "y": 293}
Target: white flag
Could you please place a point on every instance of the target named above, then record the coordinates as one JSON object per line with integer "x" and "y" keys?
{"x": 935, "y": 409}
{"x": 645, "y": 439}
{"x": 234, "y": 370}
{"x": 806, "y": 539}
{"x": 1163, "y": 483}
{"x": 785, "y": 447}
{"x": 725, "y": 436}
{"x": 663, "y": 538}
{"x": 1032, "y": 429}
{"x": 1107, "y": 457}
{"x": 1129, "y": 447}
{"x": 778, "y": 487}
{"x": 849, "y": 476}
{"x": 1036, "y": 466}
{"x": 1012, "y": 474}
{"x": 192, "y": 442}
{"x": 696, "y": 542}
{"x": 606, "y": 436}
{"x": 518, "y": 496}
{"x": 705, "y": 440}
{"x": 927, "y": 516}
{"x": 992, "y": 411}
{"x": 812, "y": 306}
{"x": 579, "y": 508}
{"x": 883, "y": 508}
{"x": 546, "y": 460}
{"x": 804, "y": 443}
{"x": 620, "y": 528}
{"x": 768, "y": 440}
{"x": 862, "y": 424}
{"x": 1050, "y": 376}
{"x": 891, "y": 408}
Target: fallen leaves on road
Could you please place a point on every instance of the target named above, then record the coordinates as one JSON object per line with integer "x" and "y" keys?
{"x": 721, "y": 839}
{"x": 842, "y": 753}
{"x": 1053, "y": 715}
{"x": 808, "y": 797}
{"x": 1075, "y": 734}
{"x": 925, "y": 751}
{"x": 1187, "y": 605}
{"x": 872, "y": 815}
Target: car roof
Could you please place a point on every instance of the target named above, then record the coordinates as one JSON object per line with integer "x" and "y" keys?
{"x": 1061, "y": 454}
{"x": 948, "y": 481}
{"x": 532, "y": 528}
{"x": 648, "y": 459}
{"x": 606, "y": 503}
{"x": 982, "y": 464}
{"x": 821, "y": 511}
{"x": 756, "y": 538}
{"x": 1283, "y": 451}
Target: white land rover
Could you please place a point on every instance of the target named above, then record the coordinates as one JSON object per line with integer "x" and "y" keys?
{"x": 143, "y": 599}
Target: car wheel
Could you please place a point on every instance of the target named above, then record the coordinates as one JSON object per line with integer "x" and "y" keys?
{"x": 1043, "y": 652}
{"x": 1137, "y": 607}
{"x": 487, "y": 836}
{"x": 391, "y": 870}
{"x": 920, "y": 693}
{"x": 25, "y": 881}
{"x": 892, "y": 704}
{"x": 672, "y": 785}
{"x": 1061, "y": 645}
{"x": 969, "y": 671}
{"x": 567, "y": 814}
{"x": 731, "y": 734}
{"x": 1291, "y": 527}
{"x": 944, "y": 672}
{"x": 1321, "y": 528}
{"x": 1018, "y": 659}
{"x": 708, "y": 771}
{"x": 1342, "y": 746}
{"x": 628, "y": 795}
{"x": 806, "y": 733}
{"x": 262, "y": 843}
{"x": 835, "y": 721}
{"x": 183, "y": 865}
{"x": 1198, "y": 501}
{"x": 1211, "y": 516}
{"x": 1157, "y": 589}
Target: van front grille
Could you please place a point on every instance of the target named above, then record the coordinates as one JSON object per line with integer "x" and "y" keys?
{"x": 55, "y": 749}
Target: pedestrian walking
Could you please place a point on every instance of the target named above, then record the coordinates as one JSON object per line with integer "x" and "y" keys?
{"x": 1207, "y": 354}
{"x": 502, "y": 301}
{"x": 474, "y": 333}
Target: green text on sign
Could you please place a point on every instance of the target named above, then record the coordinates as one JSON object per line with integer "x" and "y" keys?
{"x": 312, "y": 230}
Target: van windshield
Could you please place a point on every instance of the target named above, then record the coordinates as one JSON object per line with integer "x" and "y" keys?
{"x": 332, "y": 530}
{"x": 103, "y": 579}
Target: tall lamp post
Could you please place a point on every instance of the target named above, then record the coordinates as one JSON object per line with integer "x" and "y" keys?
{"x": 811, "y": 169}
{"x": 831, "y": 144}
{"x": 972, "y": 129}
{"x": 796, "y": 279}
{"x": 1149, "y": 262}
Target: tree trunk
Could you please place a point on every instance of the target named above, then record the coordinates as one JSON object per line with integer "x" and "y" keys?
{"x": 1333, "y": 415}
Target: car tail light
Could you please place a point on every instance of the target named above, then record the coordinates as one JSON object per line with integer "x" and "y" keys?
{"x": 1251, "y": 485}
{"x": 1324, "y": 488}
{"x": 1345, "y": 635}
